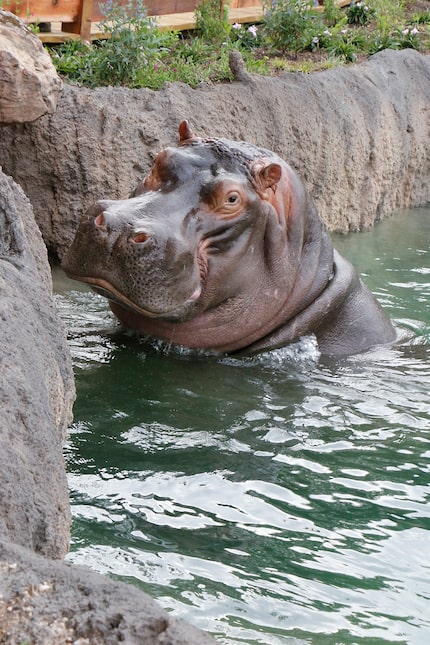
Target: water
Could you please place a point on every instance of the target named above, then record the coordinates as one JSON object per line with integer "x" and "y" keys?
{"x": 278, "y": 499}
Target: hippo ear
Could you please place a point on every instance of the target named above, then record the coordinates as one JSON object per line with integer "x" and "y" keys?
{"x": 266, "y": 175}
{"x": 185, "y": 132}
{"x": 270, "y": 175}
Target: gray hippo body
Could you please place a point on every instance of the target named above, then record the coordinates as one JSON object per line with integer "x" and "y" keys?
{"x": 221, "y": 248}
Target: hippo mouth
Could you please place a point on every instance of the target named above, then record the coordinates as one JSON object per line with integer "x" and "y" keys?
{"x": 106, "y": 289}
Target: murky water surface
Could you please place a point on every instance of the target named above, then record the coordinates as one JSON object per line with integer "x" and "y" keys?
{"x": 278, "y": 499}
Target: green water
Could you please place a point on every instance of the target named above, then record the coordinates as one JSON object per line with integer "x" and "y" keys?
{"x": 278, "y": 499}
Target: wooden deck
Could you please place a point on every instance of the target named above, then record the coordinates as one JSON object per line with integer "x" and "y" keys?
{"x": 173, "y": 21}
{"x": 167, "y": 22}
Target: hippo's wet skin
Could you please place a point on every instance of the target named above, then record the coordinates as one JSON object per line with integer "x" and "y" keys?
{"x": 221, "y": 248}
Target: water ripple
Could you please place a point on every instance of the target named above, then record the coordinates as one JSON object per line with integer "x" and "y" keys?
{"x": 283, "y": 498}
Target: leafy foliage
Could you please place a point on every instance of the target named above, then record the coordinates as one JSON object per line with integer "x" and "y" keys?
{"x": 290, "y": 25}
{"x": 133, "y": 47}
{"x": 211, "y": 21}
{"x": 138, "y": 54}
{"x": 359, "y": 13}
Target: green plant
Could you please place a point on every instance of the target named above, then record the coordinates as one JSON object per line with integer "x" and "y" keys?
{"x": 211, "y": 20}
{"x": 133, "y": 45}
{"x": 246, "y": 36}
{"x": 290, "y": 24}
{"x": 304, "y": 67}
{"x": 359, "y": 13}
{"x": 388, "y": 15}
{"x": 70, "y": 59}
{"x": 134, "y": 42}
{"x": 422, "y": 18}
{"x": 140, "y": 55}
{"x": 340, "y": 42}
{"x": 409, "y": 38}
{"x": 332, "y": 12}
{"x": 379, "y": 40}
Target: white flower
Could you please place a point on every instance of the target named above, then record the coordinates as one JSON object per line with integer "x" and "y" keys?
{"x": 405, "y": 31}
{"x": 315, "y": 40}
{"x": 236, "y": 25}
{"x": 326, "y": 32}
{"x": 414, "y": 31}
{"x": 253, "y": 30}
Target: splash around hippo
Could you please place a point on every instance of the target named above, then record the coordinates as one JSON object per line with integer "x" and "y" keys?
{"x": 221, "y": 248}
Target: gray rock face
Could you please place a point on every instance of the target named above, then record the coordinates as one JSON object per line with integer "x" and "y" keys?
{"x": 29, "y": 83}
{"x": 358, "y": 136}
{"x": 44, "y": 601}
{"x": 36, "y": 386}
{"x": 51, "y": 603}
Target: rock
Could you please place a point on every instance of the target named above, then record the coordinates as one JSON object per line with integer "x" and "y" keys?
{"x": 45, "y": 602}
{"x": 42, "y": 600}
{"x": 36, "y": 386}
{"x": 29, "y": 83}
{"x": 358, "y": 137}
{"x": 237, "y": 66}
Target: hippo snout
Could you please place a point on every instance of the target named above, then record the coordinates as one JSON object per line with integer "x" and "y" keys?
{"x": 129, "y": 254}
{"x": 108, "y": 222}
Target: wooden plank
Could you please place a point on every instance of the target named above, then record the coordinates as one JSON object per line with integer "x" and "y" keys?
{"x": 239, "y": 4}
{"x": 56, "y": 35}
{"x": 171, "y": 7}
{"x": 187, "y": 20}
{"x": 82, "y": 25}
{"x": 45, "y": 10}
{"x": 154, "y": 7}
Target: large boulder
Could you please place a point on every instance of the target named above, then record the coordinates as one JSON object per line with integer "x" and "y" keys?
{"x": 29, "y": 83}
{"x": 36, "y": 386}
{"x": 45, "y": 602}
{"x": 358, "y": 136}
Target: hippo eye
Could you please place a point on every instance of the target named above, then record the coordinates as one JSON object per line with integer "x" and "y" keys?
{"x": 233, "y": 198}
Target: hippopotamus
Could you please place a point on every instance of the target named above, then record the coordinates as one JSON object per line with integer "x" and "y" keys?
{"x": 220, "y": 248}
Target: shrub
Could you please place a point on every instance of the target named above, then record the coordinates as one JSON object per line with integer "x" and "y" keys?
{"x": 246, "y": 36}
{"x": 340, "y": 42}
{"x": 388, "y": 15}
{"x": 211, "y": 21}
{"x": 134, "y": 47}
{"x": 139, "y": 55}
{"x": 332, "y": 12}
{"x": 408, "y": 38}
{"x": 422, "y": 18}
{"x": 359, "y": 13}
{"x": 290, "y": 24}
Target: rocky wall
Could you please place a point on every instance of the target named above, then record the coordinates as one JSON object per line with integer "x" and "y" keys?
{"x": 358, "y": 135}
{"x": 36, "y": 386}
{"x": 44, "y": 601}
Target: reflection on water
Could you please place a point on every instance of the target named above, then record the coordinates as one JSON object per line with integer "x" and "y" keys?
{"x": 276, "y": 499}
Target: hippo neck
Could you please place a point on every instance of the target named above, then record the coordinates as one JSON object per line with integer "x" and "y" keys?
{"x": 315, "y": 314}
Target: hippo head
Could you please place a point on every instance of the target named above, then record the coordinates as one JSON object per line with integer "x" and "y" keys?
{"x": 208, "y": 252}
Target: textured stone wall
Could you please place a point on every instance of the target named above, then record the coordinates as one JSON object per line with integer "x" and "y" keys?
{"x": 359, "y": 136}
{"x": 36, "y": 386}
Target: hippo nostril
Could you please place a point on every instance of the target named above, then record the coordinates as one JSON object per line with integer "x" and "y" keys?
{"x": 99, "y": 220}
{"x": 139, "y": 238}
